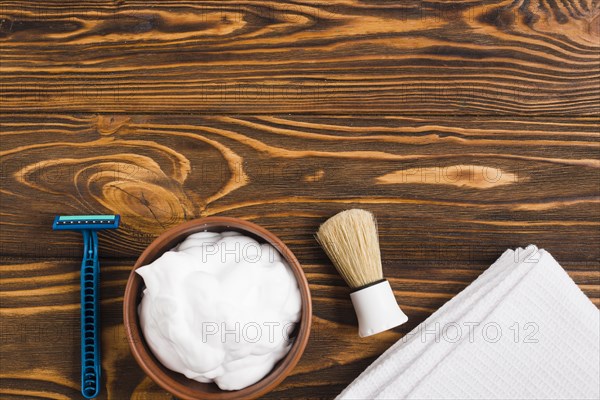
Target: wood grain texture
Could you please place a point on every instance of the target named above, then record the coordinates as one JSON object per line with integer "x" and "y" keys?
{"x": 450, "y": 177}
{"x": 451, "y": 194}
{"x": 467, "y": 127}
{"x": 255, "y": 57}
{"x": 334, "y": 356}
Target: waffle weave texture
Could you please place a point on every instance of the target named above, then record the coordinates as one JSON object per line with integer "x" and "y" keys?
{"x": 522, "y": 330}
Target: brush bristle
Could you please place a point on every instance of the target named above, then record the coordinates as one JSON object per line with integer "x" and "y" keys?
{"x": 350, "y": 240}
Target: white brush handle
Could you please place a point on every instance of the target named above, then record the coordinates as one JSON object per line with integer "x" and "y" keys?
{"x": 376, "y": 309}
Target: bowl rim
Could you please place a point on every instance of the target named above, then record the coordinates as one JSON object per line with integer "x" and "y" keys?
{"x": 143, "y": 355}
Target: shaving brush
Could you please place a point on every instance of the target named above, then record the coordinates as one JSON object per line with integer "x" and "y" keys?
{"x": 350, "y": 240}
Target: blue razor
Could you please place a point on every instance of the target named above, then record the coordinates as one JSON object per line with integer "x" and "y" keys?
{"x": 90, "y": 296}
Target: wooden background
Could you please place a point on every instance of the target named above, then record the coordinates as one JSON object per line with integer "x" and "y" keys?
{"x": 467, "y": 126}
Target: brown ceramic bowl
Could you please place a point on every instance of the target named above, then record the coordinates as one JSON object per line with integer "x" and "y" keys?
{"x": 177, "y": 383}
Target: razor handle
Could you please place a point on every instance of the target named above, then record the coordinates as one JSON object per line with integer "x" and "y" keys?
{"x": 90, "y": 316}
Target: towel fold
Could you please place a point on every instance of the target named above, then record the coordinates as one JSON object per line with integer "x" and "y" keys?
{"x": 522, "y": 330}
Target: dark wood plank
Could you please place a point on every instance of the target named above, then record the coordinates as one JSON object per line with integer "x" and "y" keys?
{"x": 40, "y": 306}
{"x": 461, "y": 189}
{"x": 407, "y": 58}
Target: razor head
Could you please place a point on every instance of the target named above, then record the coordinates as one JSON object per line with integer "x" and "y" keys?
{"x": 80, "y": 222}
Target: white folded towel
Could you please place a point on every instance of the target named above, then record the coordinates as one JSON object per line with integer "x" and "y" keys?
{"x": 521, "y": 330}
